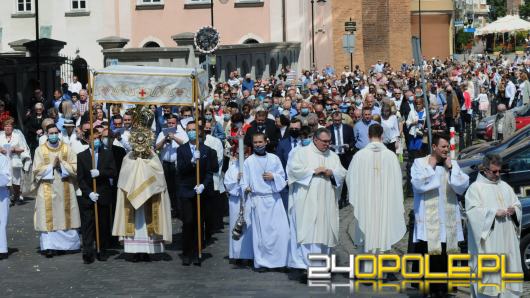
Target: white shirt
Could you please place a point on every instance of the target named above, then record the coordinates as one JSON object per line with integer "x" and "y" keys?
{"x": 168, "y": 152}
{"x": 75, "y": 87}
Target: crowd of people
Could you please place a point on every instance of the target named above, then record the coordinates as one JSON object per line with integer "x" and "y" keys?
{"x": 314, "y": 143}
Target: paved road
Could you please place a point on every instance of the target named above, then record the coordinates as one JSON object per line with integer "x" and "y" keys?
{"x": 27, "y": 273}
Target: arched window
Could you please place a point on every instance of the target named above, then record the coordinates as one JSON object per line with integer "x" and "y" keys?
{"x": 151, "y": 44}
{"x": 250, "y": 41}
{"x": 285, "y": 62}
{"x": 80, "y": 70}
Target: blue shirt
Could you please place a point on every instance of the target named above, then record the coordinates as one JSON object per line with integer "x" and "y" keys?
{"x": 360, "y": 131}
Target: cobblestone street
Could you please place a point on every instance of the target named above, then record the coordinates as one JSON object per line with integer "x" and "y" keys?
{"x": 27, "y": 273}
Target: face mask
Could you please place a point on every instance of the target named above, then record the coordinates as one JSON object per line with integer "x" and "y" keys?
{"x": 306, "y": 142}
{"x": 420, "y": 94}
{"x": 260, "y": 150}
{"x": 294, "y": 132}
{"x": 358, "y": 102}
{"x": 97, "y": 144}
{"x": 239, "y": 125}
{"x": 266, "y": 105}
{"x": 192, "y": 135}
{"x": 411, "y": 98}
{"x": 216, "y": 108}
{"x": 328, "y": 107}
{"x": 53, "y": 139}
{"x": 304, "y": 111}
{"x": 208, "y": 117}
{"x": 432, "y": 111}
{"x": 226, "y": 117}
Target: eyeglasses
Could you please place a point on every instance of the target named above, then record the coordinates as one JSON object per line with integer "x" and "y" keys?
{"x": 494, "y": 172}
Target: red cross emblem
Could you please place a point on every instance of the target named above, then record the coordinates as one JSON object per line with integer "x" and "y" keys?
{"x": 142, "y": 93}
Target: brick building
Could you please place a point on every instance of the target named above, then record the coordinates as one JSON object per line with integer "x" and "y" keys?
{"x": 385, "y": 28}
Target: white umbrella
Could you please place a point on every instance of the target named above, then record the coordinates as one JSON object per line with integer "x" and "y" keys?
{"x": 510, "y": 23}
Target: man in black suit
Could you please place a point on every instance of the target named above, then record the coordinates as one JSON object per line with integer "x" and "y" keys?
{"x": 187, "y": 158}
{"x": 342, "y": 142}
{"x": 266, "y": 126}
{"x": 342, "y": 139}
{"x": 118, "y": 153}
{"x": 105, "y": 174}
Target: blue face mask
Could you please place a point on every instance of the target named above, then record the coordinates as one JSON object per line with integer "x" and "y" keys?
{"x": 266, "y": 105}
{"x": 53, "y": 139}
{"x": 208, "y": 117}
{"x": 328, "y": 107}
{"x": 97, "y": 144}
{"x": 226, "y": 117}
{"x": 304, "y": 111}
{"x": 306, "y": 142}
{"x": 192, "y": 135}
{"x": 411, "y": 98}
{"x": 259, "y": 150}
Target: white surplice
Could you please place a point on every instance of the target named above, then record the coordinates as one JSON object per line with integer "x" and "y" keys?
{"x": 270, "y": 229}
{"x": 242, "y": 248}
{"x": 436, "y": 209}
{"x": 488, "y": 234}
{"x": 375, "y": 180}
{"x": 313, "y": 208}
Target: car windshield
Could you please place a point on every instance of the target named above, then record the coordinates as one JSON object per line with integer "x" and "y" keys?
{"x": 522, "y": 144}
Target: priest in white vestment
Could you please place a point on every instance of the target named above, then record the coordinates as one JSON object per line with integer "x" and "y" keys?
{"x": 143, "y": 210}
{"x": 5, "y": 179}
{"x": 375, "y": 180}
{"x": 56, "y": 209}
{"x": 263, "y": 179}
{"x": 436, "y": 181}
{"x": 315, "y": 176}
{"x": 242, "y": 248}
{"x": 494, "y": 227}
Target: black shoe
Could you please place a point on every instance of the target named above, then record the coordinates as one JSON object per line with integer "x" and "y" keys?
{"x": 48, "y": 253}
{"x": 102, "y": 256}
{"x": 88, "y": 259}
{"x": 3, "y": 256}
{"x": 145, "y": 257}
{"x": 12, "y": 203}
{"x": 197, "y": 261}
{"x": 186, "y": 261}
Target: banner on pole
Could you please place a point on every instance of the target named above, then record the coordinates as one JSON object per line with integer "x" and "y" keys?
{"x": 148, "y": 85}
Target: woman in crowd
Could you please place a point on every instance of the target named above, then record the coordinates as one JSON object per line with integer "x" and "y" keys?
{"x": 13, "y": 146}
{"x": 217, "y": 128}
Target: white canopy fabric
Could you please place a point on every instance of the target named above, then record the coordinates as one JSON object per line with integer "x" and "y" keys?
{"x": 148, "y": 85}
{"x": 510, "y": 23}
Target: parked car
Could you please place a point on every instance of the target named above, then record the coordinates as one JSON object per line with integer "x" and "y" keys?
{"x": 478, "y": 151}
{"x": 525, "y": 236}
{"x": 484, "y": 128}
{"x": 515, "y": 172}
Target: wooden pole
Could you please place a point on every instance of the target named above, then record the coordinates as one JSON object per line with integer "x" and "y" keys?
{"x": 94, "y": 166}
{"x": 199, "y": 226}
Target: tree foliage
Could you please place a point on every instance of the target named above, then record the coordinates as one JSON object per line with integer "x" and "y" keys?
{"x": 497, "y": 9}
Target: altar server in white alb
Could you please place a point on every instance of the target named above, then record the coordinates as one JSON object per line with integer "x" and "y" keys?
{"x": 237, "y": 249}
{"x": 263, "y": 179}
{"x": 436, "y": 181}
{"x": 494, "y": 226}
{"x": 374, "y": 176}
{"x": 5, "y": 179}
{"x": 315, "y": 177}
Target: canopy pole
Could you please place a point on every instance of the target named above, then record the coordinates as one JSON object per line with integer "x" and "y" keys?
{"x": 94, "y": 166}
{"x": 197, "y": 171}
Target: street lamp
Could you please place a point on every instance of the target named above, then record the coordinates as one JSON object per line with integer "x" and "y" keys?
{"x": 319, "y": 2}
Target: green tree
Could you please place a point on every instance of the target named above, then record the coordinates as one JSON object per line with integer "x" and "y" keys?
{"x": 497, "y": 9}
{"x": 524, "y": 10}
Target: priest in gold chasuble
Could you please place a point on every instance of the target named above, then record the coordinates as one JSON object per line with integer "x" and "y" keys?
{"x": 56, "y": 209}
